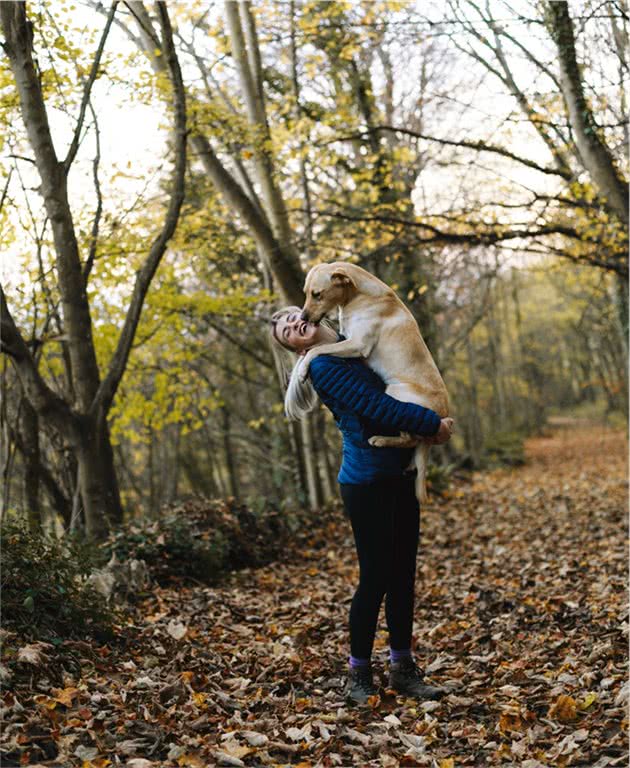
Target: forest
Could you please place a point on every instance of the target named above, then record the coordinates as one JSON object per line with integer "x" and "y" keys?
{"x": 169, "y": 173}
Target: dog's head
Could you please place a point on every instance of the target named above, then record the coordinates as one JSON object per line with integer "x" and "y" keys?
{"x": 327, "y": 286}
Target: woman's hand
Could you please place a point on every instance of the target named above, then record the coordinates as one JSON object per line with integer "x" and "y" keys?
{"x": 443, "y": 435}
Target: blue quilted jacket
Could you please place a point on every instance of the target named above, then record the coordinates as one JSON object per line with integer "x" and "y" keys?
{"x": 356, "y": 396}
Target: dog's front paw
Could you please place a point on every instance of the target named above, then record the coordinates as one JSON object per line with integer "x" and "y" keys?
{"x": 379, "y": 442}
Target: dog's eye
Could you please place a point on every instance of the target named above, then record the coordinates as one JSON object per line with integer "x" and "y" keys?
{"x": 316, "y": 294}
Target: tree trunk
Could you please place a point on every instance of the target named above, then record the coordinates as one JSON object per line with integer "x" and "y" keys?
{"x": 474, "y": 433}
{"x": 494, "y": 343}
{"x": 230, "y": 462}
{"x": 246, "y": 54}
{"x": 596, "y": 156}
{"x": 151, "y": 471}
{"x": 7, "y": 472}
{"x": 620, "y": 296}
{"x": 97, "y": 480}
{"x": 310, "y": 462}
{"x": 29, "y": 434}
{"x": 325, "y": 473}
{"x": 172, "y": 475}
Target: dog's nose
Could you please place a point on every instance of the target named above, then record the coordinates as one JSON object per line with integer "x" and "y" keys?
{"x": 304, "y": 316}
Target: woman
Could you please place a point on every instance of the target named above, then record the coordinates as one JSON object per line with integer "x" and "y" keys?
{"x": 378, "y": 496}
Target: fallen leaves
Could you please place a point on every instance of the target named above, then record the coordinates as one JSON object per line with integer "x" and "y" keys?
{"x": 65, "y": 696}
{"x": 521, "y": 615}
{"x": 35, "y": 654}
{"x": 564, "y": 709}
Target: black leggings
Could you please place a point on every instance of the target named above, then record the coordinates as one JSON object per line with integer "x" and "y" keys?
{"x": 385, "y": 521}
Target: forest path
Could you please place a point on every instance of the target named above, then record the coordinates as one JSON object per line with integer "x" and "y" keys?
{"x": 521, "y": 613}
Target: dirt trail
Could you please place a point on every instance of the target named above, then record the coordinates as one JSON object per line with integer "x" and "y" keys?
{"x": 521, "y": 614}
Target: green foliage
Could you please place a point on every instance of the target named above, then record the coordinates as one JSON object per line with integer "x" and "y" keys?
{"x": 202, "y": 540}
{"x": 44, "y": 589}
{"x": 505, "y": 448}
{"x": 439, "y": 477}
{"x": 172, "y": 547}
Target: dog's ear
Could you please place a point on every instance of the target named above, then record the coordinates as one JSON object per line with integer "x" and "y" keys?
{"x": 341, "y": 277}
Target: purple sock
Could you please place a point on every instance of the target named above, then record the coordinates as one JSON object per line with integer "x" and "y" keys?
{"x": 395, "y": 656}
{"x": 354, "y": 662}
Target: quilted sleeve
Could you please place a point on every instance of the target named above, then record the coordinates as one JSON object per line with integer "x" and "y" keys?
{"x": 333, "y": 377}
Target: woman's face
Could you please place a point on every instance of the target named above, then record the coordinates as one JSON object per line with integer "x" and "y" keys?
{"x": 299, "y": 334}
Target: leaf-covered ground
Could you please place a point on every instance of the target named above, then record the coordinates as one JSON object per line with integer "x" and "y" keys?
{"x": 521, "y": 615}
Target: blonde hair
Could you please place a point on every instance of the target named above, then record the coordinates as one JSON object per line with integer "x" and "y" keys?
{"x": 300, "y": 397}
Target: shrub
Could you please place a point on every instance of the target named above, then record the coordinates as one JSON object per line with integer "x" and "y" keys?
{"x": 202, "y": 539}
{"x": 439, "y": 477}
{"x": 44, "y": 593}
{"x": 505, "y": 448}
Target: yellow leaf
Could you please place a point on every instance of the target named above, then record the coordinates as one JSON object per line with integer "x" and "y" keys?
{"x": 65, "y": 696}
{"x": 564, "y": 709}
{"x": 447, "y": 762}
{"x": 200, "y": 700}
{"x": 190, "y": 761}
{"x": 589, "y": 699}
{"x": 44, "y": 701}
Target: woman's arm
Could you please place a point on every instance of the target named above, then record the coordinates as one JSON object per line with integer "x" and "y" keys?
{"x": 334, "y": 377}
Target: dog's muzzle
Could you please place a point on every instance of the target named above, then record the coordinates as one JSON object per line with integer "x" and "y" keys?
{"x": 305, "y": 316}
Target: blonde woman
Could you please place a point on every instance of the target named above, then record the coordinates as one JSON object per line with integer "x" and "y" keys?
{"x": 378, "y": 496}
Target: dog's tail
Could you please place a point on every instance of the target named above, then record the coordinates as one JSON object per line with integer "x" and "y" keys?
{"x": 421, "y": 461}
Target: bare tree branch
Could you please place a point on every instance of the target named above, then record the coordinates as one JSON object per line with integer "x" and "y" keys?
{"x": 110, "y": 383}
{"x": 280, "y": 257}
{"x": 89, "y": 262}
{"x": 473, "y": 238}
{"x": 596, "y": 155}
{"x": 43, "y": 399}
{"x": 6, "y": 189}
{"x": 478, "y": 146}
{"x": 74, "y": 145}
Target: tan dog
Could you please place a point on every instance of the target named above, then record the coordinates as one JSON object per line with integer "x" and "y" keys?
{"x": 380, "y": 328}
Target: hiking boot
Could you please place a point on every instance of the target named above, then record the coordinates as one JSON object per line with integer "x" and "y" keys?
{"x": 359, "y": 685}
{"x": 406, "y": 678}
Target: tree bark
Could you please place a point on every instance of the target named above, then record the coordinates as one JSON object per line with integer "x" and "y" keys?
{"x": 474, "y": 432}
{"x": 98, "y": 482}
{"x": 230, "y": 462}
{"x": 29, "y": 438}
{"x": 596, "y": 156}
{"x": 310, "y": 462}
{"x": 246, "y": 54}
